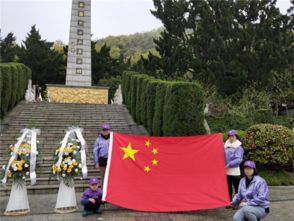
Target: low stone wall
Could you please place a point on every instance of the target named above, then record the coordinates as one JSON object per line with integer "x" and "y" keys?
{"x": 76, "y": 94}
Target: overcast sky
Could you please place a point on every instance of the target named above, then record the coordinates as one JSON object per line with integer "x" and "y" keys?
{"x": 52, "y": 17}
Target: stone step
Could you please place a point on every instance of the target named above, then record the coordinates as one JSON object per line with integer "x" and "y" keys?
{"x": 53, "y": 119}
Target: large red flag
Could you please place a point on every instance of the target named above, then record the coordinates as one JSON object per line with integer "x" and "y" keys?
{"x": 166, "y": 173}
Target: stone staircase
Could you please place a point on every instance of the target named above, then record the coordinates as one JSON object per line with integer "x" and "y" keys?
{"x": 52, "y": 119}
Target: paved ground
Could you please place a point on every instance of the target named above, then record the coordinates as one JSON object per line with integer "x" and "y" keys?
{"x": 282, "y": 206}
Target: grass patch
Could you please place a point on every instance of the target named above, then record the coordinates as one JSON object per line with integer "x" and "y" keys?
{"x": 277, "y": 177}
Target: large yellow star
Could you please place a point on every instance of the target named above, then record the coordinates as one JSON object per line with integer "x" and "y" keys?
{"x": 129, "y": 152}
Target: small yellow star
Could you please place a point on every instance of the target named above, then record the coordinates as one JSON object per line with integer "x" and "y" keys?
{"x": 154, "y": 162}
{"x": 154, "y": 151}
{"x": 129, "y": 152}
{"x": 147, "y": 143}
{"x": 147, "y": 169}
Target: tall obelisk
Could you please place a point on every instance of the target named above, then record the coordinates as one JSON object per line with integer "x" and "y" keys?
{"x": 78, "y": 71}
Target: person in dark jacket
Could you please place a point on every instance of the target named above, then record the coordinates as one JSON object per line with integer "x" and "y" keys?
{"x": 91, "y": 198}
{"x": 252, "y": 196}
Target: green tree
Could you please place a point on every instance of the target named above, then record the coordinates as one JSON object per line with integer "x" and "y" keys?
{"x": 47, "y": 65}
{"x": 225, "y": 43}
{"x": 104, "y": 66}
{"x": 8, "y": 48}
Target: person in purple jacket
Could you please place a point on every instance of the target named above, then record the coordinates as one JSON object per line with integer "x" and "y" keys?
{"x": 233, "y": 157}
{"x": 252, "y": 197}
{"x": 101, "y": 148}
{"x": 91, "y": 198}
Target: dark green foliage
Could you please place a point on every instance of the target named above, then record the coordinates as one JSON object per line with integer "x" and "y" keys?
{"x": 225, "y": 43}
{"x": 151, "y": 98}
{"x": 47, "y": 65}
{"x": 269, "y": 144}
{"x": 276, "y": 177}
{"x": 112, "y": 83}
{"x": 139, "y": 85}
{"x": 227, "y": 122}
{"x": 103, "y": 65}
{"x": 13, "y": 81}
{"x": 158, "y": 109}
{"x": 183, "y": 109}
{"x": 8, "y": 48}
{"x": 143, "y": 101}
{"x": 6, "y": 88}
{"x": 177, "y": 110}
{"x": 263, "y": 116}
{"x": 132, "y": 95}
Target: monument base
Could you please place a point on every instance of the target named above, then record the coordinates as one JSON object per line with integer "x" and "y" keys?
{"x": 77, "y": 94}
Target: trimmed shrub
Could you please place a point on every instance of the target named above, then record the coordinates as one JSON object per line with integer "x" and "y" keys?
{"x": 158, "y": 109}
{"x": 143, "y": 101}
{"x": 14, "y": 80}
{"x": 151, "y": 97}
{"x": 139, "y": 83}
{"x": 183, "y": 109}
{"x": 132, "y": 95}
{"x": 5, "y": 72}
{"x": 269, "y": 144}
{"x": 126, "y": 88}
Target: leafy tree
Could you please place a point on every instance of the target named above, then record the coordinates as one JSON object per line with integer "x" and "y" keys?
{"x": 8, "y": 48}
{"x": 225, "y": 43}
{"x": 103, "y": 65}
{"x": 47, "y": 65}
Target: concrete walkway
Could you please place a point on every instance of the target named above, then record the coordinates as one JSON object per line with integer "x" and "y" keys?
{"x": 282, "y": 206}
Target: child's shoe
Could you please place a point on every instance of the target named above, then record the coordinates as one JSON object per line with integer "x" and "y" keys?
{"x": 86, "y": 213}
{"x": 97, "y": 211}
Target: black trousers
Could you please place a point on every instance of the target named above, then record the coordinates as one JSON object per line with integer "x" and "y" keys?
{"x": 233, "y": 181}
{"x": 92, "y": 206}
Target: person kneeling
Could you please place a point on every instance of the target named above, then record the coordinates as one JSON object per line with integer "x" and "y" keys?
{"x": 91, "y": 198}
{"x": 252, "y": 196}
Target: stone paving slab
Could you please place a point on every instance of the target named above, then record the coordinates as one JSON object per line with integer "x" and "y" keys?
{"x": 282, "y": 205}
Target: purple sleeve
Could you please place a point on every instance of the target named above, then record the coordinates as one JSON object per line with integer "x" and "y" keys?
{"x": 84, "y": 197}
{"x": 238, "y": 197}
{"x": 96, "y": 151}
{"x": 238, "y": 157}
{"x": 261, "y": 195}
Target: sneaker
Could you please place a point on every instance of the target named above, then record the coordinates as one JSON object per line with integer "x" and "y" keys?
{"x": 228, "y": 207}
{"x": 86, "y": 213}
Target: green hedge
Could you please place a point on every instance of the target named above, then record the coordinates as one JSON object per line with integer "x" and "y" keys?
{"x": 183, "y": 109}
{"x": 139, "y": 84}
{"x": 157, "y": 122}
{"x": 150, "y": 103}
{"x": 166, "y": 108}
{"x": 13, "y": 83}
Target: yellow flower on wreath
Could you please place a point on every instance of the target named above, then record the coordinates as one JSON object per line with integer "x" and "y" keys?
{"x": 9, "y": 174}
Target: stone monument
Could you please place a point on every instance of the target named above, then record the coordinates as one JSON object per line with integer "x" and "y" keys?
{"x": 77, "y": 88}
{"x": 78, "y": 71}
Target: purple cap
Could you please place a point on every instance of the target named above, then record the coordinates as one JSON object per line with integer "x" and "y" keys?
{"x": 233, "y": 133}
{"x": 250, "y": 164}
{"x": 93, "y": 181}
{"x": 105, "y": 126}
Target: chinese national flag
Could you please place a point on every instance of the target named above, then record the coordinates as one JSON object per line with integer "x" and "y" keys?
{"x": 166, "y": 173}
